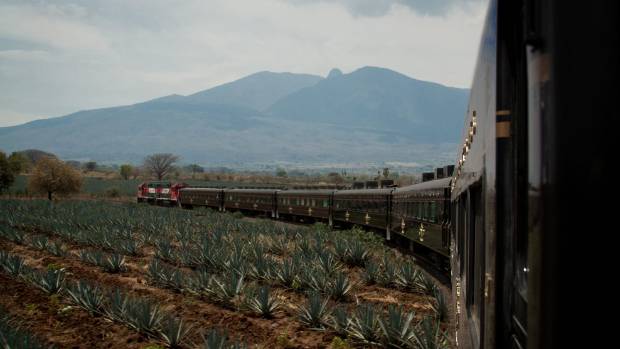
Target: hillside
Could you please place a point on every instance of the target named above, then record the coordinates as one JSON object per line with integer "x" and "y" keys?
{"x": 371, "y": 114}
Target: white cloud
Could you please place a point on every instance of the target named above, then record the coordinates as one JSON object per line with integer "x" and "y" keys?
{"x": 65, "y": 56}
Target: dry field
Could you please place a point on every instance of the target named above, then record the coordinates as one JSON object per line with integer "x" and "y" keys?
{"x": 84, "y": 274}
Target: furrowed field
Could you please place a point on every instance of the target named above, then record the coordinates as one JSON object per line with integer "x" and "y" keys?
{"x": 89, "y": 274}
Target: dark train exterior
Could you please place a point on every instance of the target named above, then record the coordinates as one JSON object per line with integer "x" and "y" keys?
{"x": 534, "y": 154}
{"x": 375, "y": 209}
{"x": 420, "y": 218}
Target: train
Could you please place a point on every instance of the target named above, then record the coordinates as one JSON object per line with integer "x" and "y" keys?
{"x": 415, "y": 217}
{"x": 510, "y": 223}
{"x": 526, "y": 196}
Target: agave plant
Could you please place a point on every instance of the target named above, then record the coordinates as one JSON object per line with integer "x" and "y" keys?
{"x": 389, "y": 275}
{"x": 165, "y": 251}
{"x": 57, "y": 249}
{"x": 428, "y": 335}
{"x": 327, "y": 262}
{"x": 128, "y": 247}
{"x": 14, "y": 265}
{"x": 262, "y": 268}
{"x": 315, "y": 279}
{"x": 314, "y": 313}
{"x": 364, "y": 325}
{"x": 14, "y": 235}
{"x": 117, "y": 308}
{"x": 40, "y": 242}
{"x": 198, "y": 281}
{"x": 228, "y": 290}
{"x": 173, "y": 331}
{"x": 279, "y": 246}
{"x": 143, "y": 315}
{"x": 340, "y": 286}
{"x": 51, "y": 282}
{"x": 155, "y": 270}
{"x": 287, "y": 273}
{"x": 305, "y": 247}
{"x": 426, "y": 284}
{"x": 14, "y": 337}
{"x": 340, "y": 320}
{"x": 370, "y": 275}
{"x": 408, "y": 276}
{"x": 358, "y": 254}
{"x": 189, "y": 257}
{"x": 440, "y": 305}
{"x": 236, "y": 262}
{"x": 92, "y": 257}
{"x": 114, "y": 263}
{"x": 396, "y": 327}
{"x": 87, "y": 296}
{"x": 215, "y": 339}
{"x": 263, "y": 303}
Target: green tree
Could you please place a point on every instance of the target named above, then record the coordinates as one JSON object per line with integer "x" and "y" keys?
{"x": 51, "y": 175}
{"x": 7, "y": 174}
{"x": 18, "y": 162}
{"x": 386, "y": 172}
{"x": 125, "y": 171}
{"x": 195, "y": 168}
{"x": 280, "y": 172}
{"x": 90, "y": 166}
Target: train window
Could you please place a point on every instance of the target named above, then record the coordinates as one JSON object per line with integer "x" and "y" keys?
{"x": 475, "y": 255}
{"x": 325, "y": 203}
{"x": 313, "y": 203}
{"x": 433, "y": 211}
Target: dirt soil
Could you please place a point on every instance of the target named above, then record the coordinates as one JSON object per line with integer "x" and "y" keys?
{"x": 77, "y": 329}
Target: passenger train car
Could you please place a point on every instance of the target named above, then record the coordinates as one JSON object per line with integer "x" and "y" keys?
{"x": 533, "y": 155}
{"x": 420, "y": 211}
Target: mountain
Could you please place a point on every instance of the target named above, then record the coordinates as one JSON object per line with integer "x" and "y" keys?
{"x": 371, "y": 114}
{"x": 380, "y": 99}
{"x": 257, "y": 91}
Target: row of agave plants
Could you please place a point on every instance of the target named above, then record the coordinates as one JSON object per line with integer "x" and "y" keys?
{"x": 141, "y": 314}
{"x": 235, "y": 263}
{"x": 13, "y": 336}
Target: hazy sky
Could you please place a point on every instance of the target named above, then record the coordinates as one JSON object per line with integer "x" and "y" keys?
{"x": 58, "y": 57}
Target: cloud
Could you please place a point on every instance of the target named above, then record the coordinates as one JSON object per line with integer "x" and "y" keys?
{"x": 382, "y": 7}
{"x": 57, "y": 57}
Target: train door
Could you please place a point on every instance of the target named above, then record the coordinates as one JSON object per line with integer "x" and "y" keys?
{"x": 512, "y": 172}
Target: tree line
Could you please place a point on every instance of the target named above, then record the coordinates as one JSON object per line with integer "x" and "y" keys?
{"x": 50, "y": 176}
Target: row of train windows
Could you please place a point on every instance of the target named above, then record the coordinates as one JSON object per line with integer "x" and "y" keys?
{"x": 360, "y": 204}
{"x": 249, "y": 199}
{"x": 428, "y": 211}
{"x": 304, "y": 202}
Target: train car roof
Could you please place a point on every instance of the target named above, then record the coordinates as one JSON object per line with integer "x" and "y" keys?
{"x": 428, "y": 185}
{"x": 262, "y": 191}
{"x": 200, "y": 188}
{"x": 307, "y": 191}
{"x": 363, "y": 191}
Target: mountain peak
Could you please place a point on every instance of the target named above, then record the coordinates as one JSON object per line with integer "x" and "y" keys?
{"x": 334, "y": 73}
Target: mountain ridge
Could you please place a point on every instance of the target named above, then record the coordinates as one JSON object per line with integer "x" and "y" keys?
{"x": 369, "y": 114}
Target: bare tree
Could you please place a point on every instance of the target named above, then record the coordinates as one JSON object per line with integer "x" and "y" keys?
{"x": 160, "y": 164}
